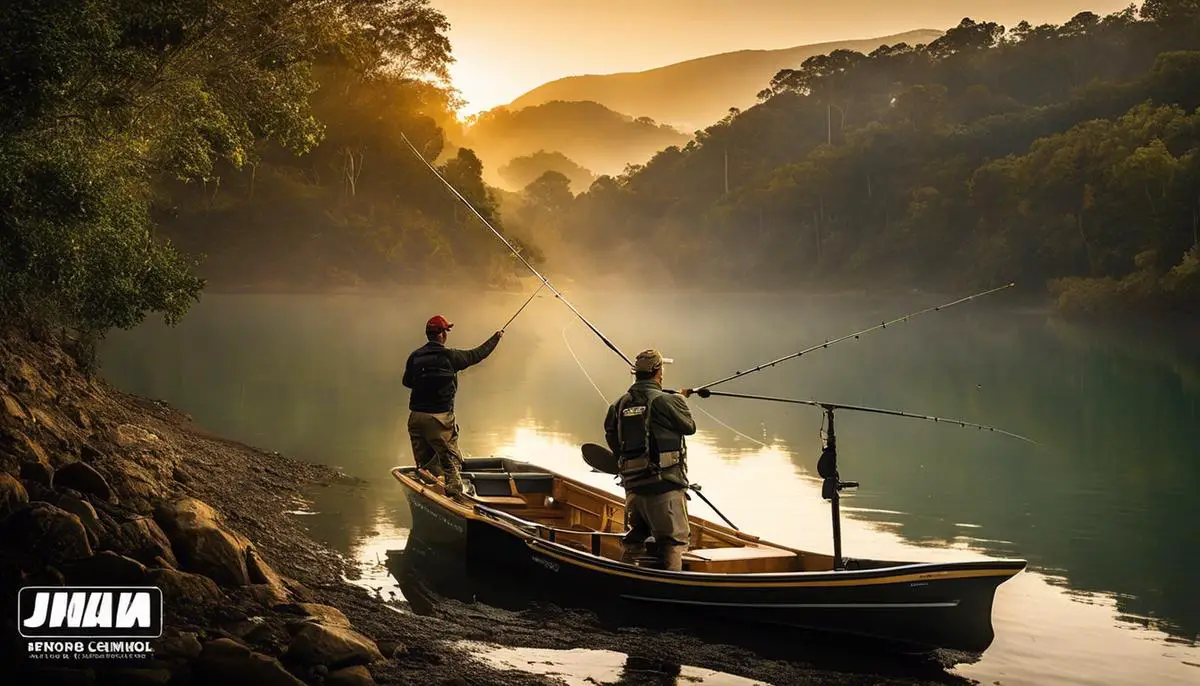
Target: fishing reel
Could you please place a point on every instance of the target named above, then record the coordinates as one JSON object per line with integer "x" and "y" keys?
{"x": 827, "y": 467}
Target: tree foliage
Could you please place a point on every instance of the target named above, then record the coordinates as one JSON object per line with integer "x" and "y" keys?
{"x": 128, "y": 128}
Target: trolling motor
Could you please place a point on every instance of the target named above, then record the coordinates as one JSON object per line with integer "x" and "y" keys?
{"x": 832, "y": 485}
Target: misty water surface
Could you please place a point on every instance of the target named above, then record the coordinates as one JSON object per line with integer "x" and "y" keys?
{"x": 1105, "y": 510}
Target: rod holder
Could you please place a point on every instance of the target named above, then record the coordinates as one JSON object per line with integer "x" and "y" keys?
{"x": 832, "y": 485}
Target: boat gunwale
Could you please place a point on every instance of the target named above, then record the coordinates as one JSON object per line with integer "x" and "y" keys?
{"x": 899, "y": 572}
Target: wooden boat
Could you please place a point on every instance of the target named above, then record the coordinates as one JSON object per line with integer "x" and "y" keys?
{"x": 548, "y": 531}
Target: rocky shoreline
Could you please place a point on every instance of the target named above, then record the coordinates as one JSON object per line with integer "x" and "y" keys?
{"x": 98, "y": 487}
{"x": 102, "y": 488}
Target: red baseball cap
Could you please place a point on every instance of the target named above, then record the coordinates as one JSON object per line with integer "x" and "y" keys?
{"x": 438, "y": 323}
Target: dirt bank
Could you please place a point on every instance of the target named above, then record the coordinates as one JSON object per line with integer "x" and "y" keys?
{"x": 100, "y": 488}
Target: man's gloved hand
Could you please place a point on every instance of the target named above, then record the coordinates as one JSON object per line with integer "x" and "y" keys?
{"x": 687, "y": 392}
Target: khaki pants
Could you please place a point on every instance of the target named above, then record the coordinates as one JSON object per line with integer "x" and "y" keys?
{"x": 663, "y": 516}
{"x": 435, "y": 446}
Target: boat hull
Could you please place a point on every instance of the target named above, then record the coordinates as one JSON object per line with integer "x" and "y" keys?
{"x": 914, "y": 607}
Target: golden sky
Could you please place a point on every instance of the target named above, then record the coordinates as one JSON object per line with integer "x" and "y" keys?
{"x": 504, "y": 48}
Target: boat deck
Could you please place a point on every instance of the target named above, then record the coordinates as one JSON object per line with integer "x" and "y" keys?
{"x": 593, "y": 520}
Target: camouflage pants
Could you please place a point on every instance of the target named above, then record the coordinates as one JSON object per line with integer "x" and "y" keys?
{"x": 435, "y": 446}
{"x": 663, "y": 516}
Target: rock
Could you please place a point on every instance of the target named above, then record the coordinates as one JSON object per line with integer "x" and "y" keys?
{"x": 138, "y": 487}
{"x": 350, "y": 676}
{"x": 129, "y": 435}
{"x": 252, "y": 629}
{"x": 177, "y": 585}
{"x": 52, "y": 534}
{"x": 269, "y": 589}
{"x": 180, "y": 475}
{"x": 201, "y": 542}
{"x": 81, "y": 419}
{"x": 325, "y": 614}
{"x": 26, "y": 373}
{"x": 13, "y": 407}
{"x": 87, "y": 516}
{"x": 37, "y": 472}
{"x": 46, "y": 421}
{"x": 83, "y": 478}
{"x": 183, "y": 645}
{"x": 335, "y": 646}
{"x": 142, "y": 539}
{"x": 89, "y": 453}
{"x": 226, "y": 661}
{"x": 12, "y": 495}
{"x": 107, "y": 568}
{"x": 30, "y": 449}
{"x": 391, "y": 649}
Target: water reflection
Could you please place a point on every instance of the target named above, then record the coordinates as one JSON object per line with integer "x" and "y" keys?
{"x": 1104, "y": 509}
{"x": 582, "y": 667}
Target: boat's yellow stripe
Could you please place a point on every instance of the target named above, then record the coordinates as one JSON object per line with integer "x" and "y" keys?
{"x": 868, "y": 581}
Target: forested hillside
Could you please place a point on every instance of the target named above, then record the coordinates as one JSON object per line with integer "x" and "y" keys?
{"x": 1062, "y": 157}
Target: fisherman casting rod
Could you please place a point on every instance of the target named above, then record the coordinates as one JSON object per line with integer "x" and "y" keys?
{"x": 826, "y": 344}
{"x": 516, "y": 252}
{"x": 704, "y": 393}
{"x": 510, "y": 321}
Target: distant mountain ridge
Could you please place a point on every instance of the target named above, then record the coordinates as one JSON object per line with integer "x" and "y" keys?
{"x": 589, "y": 134}
{"x": 696, "y": 93}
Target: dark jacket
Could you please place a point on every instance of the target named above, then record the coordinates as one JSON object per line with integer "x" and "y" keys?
{"x": 671, "y": 420}
{"x": 432, "y": 373}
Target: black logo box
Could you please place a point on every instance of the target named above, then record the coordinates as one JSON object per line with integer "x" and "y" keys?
{"x": 27, "y": 599}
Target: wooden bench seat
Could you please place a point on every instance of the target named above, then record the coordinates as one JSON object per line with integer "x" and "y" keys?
{"x": 746, "y": 559}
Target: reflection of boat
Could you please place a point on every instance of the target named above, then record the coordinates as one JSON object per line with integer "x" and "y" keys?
{"x": 554, "y": 534}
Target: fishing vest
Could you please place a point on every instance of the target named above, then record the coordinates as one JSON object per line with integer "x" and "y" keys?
{"x": 435, "y": 382}
{"x": 650, "y": 455}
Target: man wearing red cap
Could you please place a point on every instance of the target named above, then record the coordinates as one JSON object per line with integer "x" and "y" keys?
{"x": 432, "y": 373}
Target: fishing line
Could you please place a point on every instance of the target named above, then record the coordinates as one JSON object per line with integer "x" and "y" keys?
{"x": 516, "y": 252}
{"x": 704, "y": 393}
{"x": 697, "y": 408}
{"x": 855, "y": 335}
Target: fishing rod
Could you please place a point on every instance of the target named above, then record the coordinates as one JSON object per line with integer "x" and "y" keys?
{"x": 510, "y": 321}
{"x": 877, "y": 327}
{"x": 516, "y": 252}
{"x": 704, "y": 393}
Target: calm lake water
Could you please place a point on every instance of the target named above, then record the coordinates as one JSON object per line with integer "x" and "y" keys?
{"x": 1105, "y": 509}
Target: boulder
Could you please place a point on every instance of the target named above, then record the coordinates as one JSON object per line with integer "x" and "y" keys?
{"x": 183, "y": 645}
{"x": 268, "y": 587}
{"x": 29, "y": 449}
{"x": 83, "y": 478}
{"x": 177, "y": 585}
{"x": 335, "y": 646}
{"x": 201, "y": 542}
{"x": 37, "y": 472}
{"x": 325, "y": 614}
{"x": 107, "y": 568}
{"x": 52, "y": 534}
{"x": 350, "y": 676}
{"x": 142, "y": 539}
{"x": 86, "y": 513}
{"x": 228, "y": 662}
{"x": 12, "y": 495}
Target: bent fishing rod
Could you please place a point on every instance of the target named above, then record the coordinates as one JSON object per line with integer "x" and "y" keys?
{"x": 855, "y": 335}
{"x": 516, "y": 252}
{"x": 704, "y": 393}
